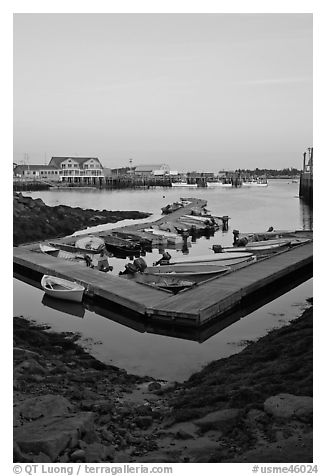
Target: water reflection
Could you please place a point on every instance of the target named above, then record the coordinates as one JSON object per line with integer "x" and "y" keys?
{"x": 144, "y": 325}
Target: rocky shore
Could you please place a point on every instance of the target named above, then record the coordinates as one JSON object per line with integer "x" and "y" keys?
{"x": 35, "y": 221}
{"x": 255, "y": 406}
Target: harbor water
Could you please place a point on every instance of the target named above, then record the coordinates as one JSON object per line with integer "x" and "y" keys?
{"x": 164, "y": 353}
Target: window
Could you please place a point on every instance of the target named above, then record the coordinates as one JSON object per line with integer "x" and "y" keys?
{"x": 63, "y": 166}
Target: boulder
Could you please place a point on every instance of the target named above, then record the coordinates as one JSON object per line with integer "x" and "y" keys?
{"x": 54, "y": 434}
{"x": 154, "y": 386}
{"x": 219, "y": 420}
{"x": 43, "y": 406}
{"x": 31, "y": 366}
{"x": 96, "y": 452}
{"x": 289, "y": 406}
{"x": 78, "y": 455}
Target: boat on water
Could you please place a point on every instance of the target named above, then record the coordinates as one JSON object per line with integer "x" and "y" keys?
{"x": 183, "y": 184}
{"x": 257, "y": 248}
{"x": 93, "y": 243}
{"x": 168, "y": 283}
{"x": 255, "y": 183}
{"x": 274, "y": 234}
{"x": 195, "y": 273}
{"x": 49, "y": 250}
{"x": 171, "y": 237}
{"x": 218, "y": 258}
{"x": 218, "y": 183}
{"x": 62, "y": 288}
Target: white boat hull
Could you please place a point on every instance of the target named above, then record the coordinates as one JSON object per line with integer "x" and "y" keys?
{"x": 218, "y": 184}
{"x": 195, "y": 273}
{"x": 224, "y": 259}
{"x": 62, "y": 289}
{"x": 183, "y": 184}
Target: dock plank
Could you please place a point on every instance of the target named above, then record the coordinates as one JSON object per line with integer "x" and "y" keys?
{"x": 121, "y": 291}
{"x": 220, "y": 294}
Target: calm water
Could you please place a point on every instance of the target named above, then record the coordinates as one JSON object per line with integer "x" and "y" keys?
{"x": 144, "y": 350}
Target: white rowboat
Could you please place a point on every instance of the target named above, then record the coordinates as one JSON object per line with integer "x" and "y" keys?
{"x": 62, "y": 288}
{"x": 227, "y": 259}
{"x": 195, "y": 273}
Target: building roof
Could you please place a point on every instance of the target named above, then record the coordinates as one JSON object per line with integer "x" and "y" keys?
{"x": 35, "y": 167}
{"x": 56, "y": 161}
{"x": 149, "y": 168}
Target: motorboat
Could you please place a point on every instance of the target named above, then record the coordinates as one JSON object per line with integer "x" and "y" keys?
{"x": 49, "y": 250}
{"x": 168, "y": 283}
{"x": 257, "y": 248}
{"x": 219, "y": 184}
{"x": 196, "y": 272}
{"x": 183, "y": 184}
{"x": 255, "y": 183}
{"x": 93, "y": 243}
{"x": 62, "y": 288}
{"x": 217, "y": 258}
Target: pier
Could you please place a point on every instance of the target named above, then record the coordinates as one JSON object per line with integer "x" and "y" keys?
{"x": 205, "y": 302}
{"x": 306, "y": 179}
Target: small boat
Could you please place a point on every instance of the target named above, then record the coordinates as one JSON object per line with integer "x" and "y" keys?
{"x": 49, "y": 250}
{"x": 183, "y": 184}
{"x": 218, "y": 258}
{"x": 93, "y": 243}
{"x": 257, "y": 248}
{"x": 196, "y": 273}
{"x": 276, "y": 234}
{"x": 62, "y": 288}
{"x": 219, "y": 184}
{"x": 168, "y": 283}
{"x": 255, "y": 183}
{"x": 173, "y": 238}
{"x": 114, "y": 243}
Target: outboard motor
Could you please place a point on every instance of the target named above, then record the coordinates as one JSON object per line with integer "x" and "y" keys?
{"x": 164, "y": 260}
{"x": 217, "y": 248}
{"x": 235, "y": 236}
{"x": 140, "y": 264}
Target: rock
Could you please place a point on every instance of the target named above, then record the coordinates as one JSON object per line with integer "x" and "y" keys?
{"x": 107, "y": 435}
{"x": 43, "y": 406}
{"x": 289, "y": 406}
{"x": 91, "y": 437}
{"x": 53, "y": 435}
{"x": 97, "y": 452}
{"x": 144, "y": 421}
{"x": 31, "y": 366}
{"x": 24, "y": 354}
{"x": 78, "y": 455}
{"x": 18, "y": 456}
{"x": 219, "y": 420}
{"x": 153, "y": 386}
{"x": 143, "y": 410}
{"x": 183, "y": 435}
{"x": 41, "y": 458}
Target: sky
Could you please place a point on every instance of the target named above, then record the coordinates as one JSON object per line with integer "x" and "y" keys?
{"x": 201, "y": 92}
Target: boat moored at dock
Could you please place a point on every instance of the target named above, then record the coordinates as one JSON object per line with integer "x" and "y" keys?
{"x": 62, "y": 288}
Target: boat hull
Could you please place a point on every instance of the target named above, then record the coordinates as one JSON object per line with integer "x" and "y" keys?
{"x": 223, "y": 259}
{"x": 182, "y": 184}
{"x": 193, "y": 273}
{"x": 62, "y": 289}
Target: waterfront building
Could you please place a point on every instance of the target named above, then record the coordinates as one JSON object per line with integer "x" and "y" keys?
{"x": 37, "y": 172}
{"x": 78, "y": 169}
{"x": 153, "y": 169}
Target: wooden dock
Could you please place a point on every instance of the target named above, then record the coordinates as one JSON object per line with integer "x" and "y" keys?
{"x": 195, "y": 307}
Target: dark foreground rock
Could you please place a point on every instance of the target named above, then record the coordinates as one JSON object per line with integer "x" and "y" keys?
{"x": 34, "y": 221}
{"x": 255, "y": 406}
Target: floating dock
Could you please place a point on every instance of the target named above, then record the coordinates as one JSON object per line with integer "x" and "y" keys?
{"x": 193, "y": 307}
